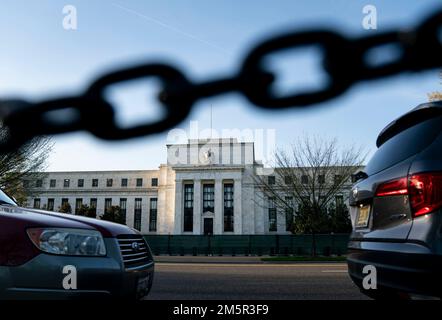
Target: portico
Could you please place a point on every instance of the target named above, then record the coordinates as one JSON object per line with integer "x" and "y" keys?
{"x": 208, "y": 200}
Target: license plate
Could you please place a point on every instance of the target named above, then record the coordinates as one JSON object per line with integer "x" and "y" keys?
{"x": 143, "y": 285}
{"x": 363, "y": 217}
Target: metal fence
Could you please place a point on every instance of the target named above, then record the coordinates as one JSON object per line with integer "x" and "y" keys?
{"x": 326, "y": 244}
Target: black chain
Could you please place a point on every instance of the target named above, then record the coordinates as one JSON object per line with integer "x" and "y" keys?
{"x": 345, "y": 63}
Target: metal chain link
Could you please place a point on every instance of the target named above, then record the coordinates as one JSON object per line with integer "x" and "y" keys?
{"x": 345, "y": 63}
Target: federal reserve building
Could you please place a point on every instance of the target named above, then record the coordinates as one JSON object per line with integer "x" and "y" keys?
{"x": 206, "y": 187}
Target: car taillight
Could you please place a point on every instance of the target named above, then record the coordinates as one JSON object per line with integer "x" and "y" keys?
{"x": 424, "y": 191}
{"x": 392, "y": 188}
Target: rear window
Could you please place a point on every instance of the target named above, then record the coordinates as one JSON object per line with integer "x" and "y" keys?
{"x": 404, "y": 145}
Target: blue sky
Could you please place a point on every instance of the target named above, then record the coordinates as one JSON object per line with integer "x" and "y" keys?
{"x": 39, "y": 58}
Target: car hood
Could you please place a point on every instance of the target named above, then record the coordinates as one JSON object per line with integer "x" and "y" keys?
{"x": 40, "y": 218}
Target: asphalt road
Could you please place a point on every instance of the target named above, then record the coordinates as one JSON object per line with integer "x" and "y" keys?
{"x": 225, "y": 281}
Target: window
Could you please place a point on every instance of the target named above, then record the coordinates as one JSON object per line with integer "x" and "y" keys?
{"x": 109, "y": 182}
{"x": 272, "y": 215}
{"x": 64, "y": 202}
{"x": 288, "y": 180}
{"x": 139, "y": 182}
{"x": 78, "y": 205}
{"x": 80, "y": 183}
{"x": 337, "y": 179}
{"x": 51, "y": 204}
{"x": 25, "y": 183}
{"x": 271, "y": 180}
{"x": 153, "y": 214}
{"x": 52, "y": 183}
{"x": 404, "y": 144}
{"x": 94, "y": 183}
{"x": 188, "y": 208}
{"x": 208, "y": 198}
{"x": 289, "y": 213}
{"x": 123, "y": 207}
{"x": 93, "y": 205}
{"x": 137, "y": 214}
{"x": 321, "y": 179}
{"x": 107, "y": 204}
{"x": 37, "y": 203}
{"x": 228, "y": 207}
{"x": 66, "y": 183}
{"x": 304, "y": 179}
{"x": 154, "y": 182}
{"x": 124, "y": 182}
{"x": 38, "y": 183}
{"x": 339, "y": 200}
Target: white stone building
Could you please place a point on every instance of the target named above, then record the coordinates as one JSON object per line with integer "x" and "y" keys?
{"x": 206, "y": 187}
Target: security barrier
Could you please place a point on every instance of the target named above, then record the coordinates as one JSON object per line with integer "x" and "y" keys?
{"x": 326, "y": 244}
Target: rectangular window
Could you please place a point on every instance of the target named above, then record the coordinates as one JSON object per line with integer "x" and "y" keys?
{"x": 64, "y": 202}
{"x": 137, "y": 214}
{"x": 288, "y": 180}
{"x": 188, "y": 208}
{"x": 109, "y": 182}
{"x": 153, "y": 214}
{"x": 271, "y": 179}
{"x": 51, "y": 204}
{"x": 338, "y": 179}
{"x": 123, "y": 207}
{"x": 304, "y": 179}
{"x": 209, "y": 197}
{"x": 339, "y": 200}
{"x": 66, "y": 183}
{"x": 37, "y": 203}
{"x": 124, "y": 182}
{"x": 93, "y": 204}
{"x": 38, "y": 183}
{"x": 154, "y": 182}
{"x": 228, "y": 207}
{"x": 94, "y": 183}
{"x": 78, "y": 204}
{"x": 321, "y": 179}
{"x": 107, "y": 204}
{"x": 80, "y": 183}
{"x": 272, "y": 215}
{"x": 289, "y": 210}
{"x": 139, "y": 182}
{"x": 52, "y": 183}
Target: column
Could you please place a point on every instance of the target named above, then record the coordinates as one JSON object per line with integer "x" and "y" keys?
{"x": 178, "y": 228}
{"x": 237, "y": 206}
{"x": 219, "y": 204}
{"x": 197, "y": 208}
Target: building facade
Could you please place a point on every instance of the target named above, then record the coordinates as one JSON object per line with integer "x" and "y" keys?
{"x": 206, "y": 187}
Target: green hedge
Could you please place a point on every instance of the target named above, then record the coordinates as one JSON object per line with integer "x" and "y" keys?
{"x": 326, "y": 244}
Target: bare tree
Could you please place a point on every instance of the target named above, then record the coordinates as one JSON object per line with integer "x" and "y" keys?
{"x": 27, "y": 162}
{"x": 311, "y": 174}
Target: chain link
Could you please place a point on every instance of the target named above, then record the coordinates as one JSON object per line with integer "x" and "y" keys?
{"x": 344, "y": 62}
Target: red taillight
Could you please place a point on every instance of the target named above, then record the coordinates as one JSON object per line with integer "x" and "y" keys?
{"x": 424, "y": 191}
{"x": 392, "y": 188}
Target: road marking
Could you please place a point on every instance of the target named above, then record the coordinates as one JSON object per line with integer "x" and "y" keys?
{"x": 247, "y": 265}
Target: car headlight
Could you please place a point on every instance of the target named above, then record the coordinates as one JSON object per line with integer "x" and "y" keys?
{"x": 70, "y": 242}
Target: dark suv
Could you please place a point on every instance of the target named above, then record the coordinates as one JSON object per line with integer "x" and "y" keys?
{"x": 396, "y": 208}
{"x": 46, "y": 255}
